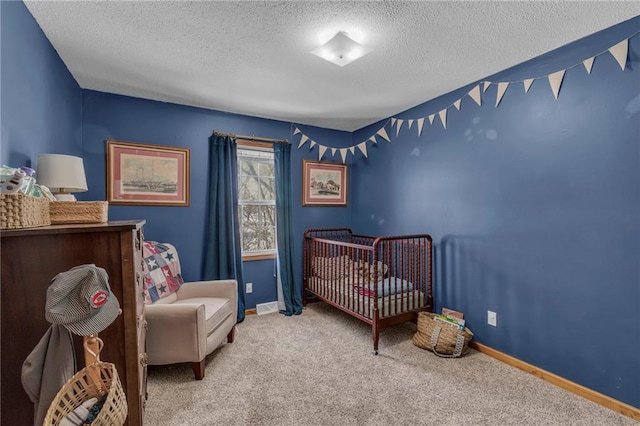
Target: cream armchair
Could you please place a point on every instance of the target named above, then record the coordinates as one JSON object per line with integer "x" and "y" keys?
{"x": 191, "y": 321}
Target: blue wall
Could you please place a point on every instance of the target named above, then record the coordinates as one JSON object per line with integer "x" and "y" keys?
{"x": 41, "y": 103}
{"x": 114, "y": 117}
{"x": 535, "y": 210}
{"x": 534, "y": 205}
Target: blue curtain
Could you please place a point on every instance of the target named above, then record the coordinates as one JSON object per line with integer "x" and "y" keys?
{"x": 292, "y": 293}
{"x": 223, "y": 253}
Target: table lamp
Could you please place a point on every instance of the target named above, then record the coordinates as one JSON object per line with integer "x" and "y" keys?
{"x": 62, "y": 174}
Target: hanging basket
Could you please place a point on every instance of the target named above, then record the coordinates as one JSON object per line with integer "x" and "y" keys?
{"x": 95, "y": 380}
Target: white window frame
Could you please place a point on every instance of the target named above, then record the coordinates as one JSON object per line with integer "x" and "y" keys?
{"x": 264, "y": 147}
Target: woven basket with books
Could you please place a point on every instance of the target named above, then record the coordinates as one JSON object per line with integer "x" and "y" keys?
{"x": 23, "y": 211}
{"x": 443, "y": 339}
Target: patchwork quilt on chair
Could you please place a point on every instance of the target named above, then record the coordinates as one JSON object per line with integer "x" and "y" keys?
{"x": 161, "y": 268}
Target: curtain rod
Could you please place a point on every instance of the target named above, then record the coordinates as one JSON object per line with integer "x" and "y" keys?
{"x": 251, "y": 138}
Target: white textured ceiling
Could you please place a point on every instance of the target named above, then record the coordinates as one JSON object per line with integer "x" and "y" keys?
{"x": 252, "y": 57}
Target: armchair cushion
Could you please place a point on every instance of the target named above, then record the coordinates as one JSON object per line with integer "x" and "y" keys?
{"x": 161, "y": 267}
{"x": 216, "y": 310}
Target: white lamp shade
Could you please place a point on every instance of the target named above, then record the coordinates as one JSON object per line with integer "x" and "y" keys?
{"x": 61, "y": 173}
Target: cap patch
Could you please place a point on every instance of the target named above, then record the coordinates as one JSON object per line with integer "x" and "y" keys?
{"x": 99, "y": 298}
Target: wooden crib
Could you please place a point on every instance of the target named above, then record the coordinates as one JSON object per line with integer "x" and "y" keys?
{"x": 379, "y": 280}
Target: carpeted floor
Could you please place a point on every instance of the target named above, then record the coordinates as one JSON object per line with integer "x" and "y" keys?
{"x": 318, "y": 369}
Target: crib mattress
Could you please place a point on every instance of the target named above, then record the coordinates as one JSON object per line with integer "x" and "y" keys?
{"x": 345, "y": 295}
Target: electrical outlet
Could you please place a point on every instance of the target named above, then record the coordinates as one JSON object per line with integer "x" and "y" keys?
{"x": 249, "y": 287}
{"x": 492, "y": 318}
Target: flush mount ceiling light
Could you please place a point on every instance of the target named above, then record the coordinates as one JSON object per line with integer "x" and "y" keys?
{"x": 341, "y": 50}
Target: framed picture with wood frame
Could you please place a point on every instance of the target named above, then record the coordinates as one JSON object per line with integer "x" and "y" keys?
{"x": 324, "y": 183}
{"x": 142, "y": 174}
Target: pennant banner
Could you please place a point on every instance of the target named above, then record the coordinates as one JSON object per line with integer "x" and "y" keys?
{"x": 475, "y": 95}
{"x": 588, "y": 64}
{"x": 363, "y": 147}
{"x": 502, "y": 87}
{"x": 303, "y": 139}
{"x": 443, "y": 117}
{"x": 619, "y": 51}
{"x": 420, "y": 124}
{"x": 555, "y": 80}
{"x": 321, "y": 151}
{"x": 383, "y": 134}
{"x": 343, "y": 153}
{"x": 527, "y": 84}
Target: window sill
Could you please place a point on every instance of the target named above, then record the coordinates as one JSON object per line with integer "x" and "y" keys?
{"x": 263, "y": 256}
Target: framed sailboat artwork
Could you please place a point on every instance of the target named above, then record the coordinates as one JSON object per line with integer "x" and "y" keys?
{"x": 142, "y": 174}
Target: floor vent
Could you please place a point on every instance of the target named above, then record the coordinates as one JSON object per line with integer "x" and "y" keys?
{"x": 266, "y": 308}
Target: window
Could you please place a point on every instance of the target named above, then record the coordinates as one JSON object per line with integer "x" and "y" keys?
{"x": 257, "y": 200}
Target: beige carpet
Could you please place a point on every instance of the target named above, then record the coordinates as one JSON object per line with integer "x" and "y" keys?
{"x": 317, "y": 369}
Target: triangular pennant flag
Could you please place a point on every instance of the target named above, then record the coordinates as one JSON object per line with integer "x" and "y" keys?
{"x": 383, "y": 134}
{"x": 343, "y": 153}
{"x": 321, "y": 151}
{"x": 363, "y": 148}
{"x": 475, "y": 95}
{"x": 588, "y": 64}
{"x": 420, "y": 124}
{"x": 296, "y": 131}
{"x": 333, "y": 151}
{"x": 431, "y": 118}
{"x": 312, "y": 144}
{"x": 457, "y": 104}
{"x": 620, "y": 51}
{"x": 486, "y": 86}
{"x": 373, "y": 139}
{"x": 443, "y": 117}
{"x": 303, "y": 139}
{"x": 399, "y": 125}
{"x": 352, "y": 149}
{"x": 502, "y": 87}
{"x": 393, "y": 122}
{"x": 555, "y": 80}
{"x": 527, "y": 84}
{"x": 410, "y": 123}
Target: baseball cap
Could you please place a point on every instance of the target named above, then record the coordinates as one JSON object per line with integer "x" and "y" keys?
{"x": 81, "y": 300}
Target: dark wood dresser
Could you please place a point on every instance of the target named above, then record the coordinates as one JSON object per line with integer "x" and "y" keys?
{"x": 30, "y": 259}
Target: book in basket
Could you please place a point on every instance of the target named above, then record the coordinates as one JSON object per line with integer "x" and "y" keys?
{"x": 451, "y": 313}
{"x": 450, "y": 321}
